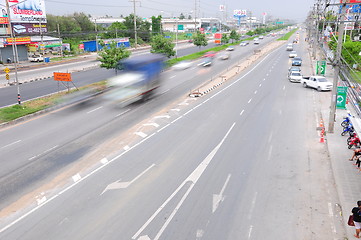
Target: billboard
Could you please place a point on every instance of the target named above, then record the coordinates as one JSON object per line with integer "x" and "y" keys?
{"x": 29, "y": 28}
{"x": 28, "y": 11}
{"x": 239, "y": 13}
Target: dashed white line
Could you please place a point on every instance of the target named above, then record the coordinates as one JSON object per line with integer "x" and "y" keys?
{"x": 175, "y": 109}
{"x": 284, "y": 87}
{"x": 264, "y": 79}
{"x": 269, "y": 153}
{"x": 241, "y": 112}
{"x": 126, "y": 148}
{"x": 122, "y": 113}
{"x": 270, "y": 137}
{"x": 260, "y": 85}
{"x": 141, "y": 134}
{"x": 11, "y": 144}
{"x": 151, "y": 124}
{"x": 253, "y": 204}
{"x": 95, "y": 109}
{"x": 255, "y": 92}
{"x": 165, "y": 91}
{"x": 249, "y": 100}
{"x": 43, "y": 153}
{"x": 250, "y": 231}
{"x": 173, "y": 76}
{"x": 162, "y": 116}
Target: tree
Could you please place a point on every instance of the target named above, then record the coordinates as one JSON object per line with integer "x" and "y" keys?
{"x": 225, "y": 39}
{"x": 199, "y": 39}
{"x": 233, "y": 35}
{"x": 250, "y": 33}
{"x": 181, "y": 16}
{"x": 189, "y": 17}
{"x": 156, "y": 24}
{"x": 162, "y": 45}
{"x": 143, "y": 27}
{"x": 111, "y": 55}
{"x": 115, "y": 30}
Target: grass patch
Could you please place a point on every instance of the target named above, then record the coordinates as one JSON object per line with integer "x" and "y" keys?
{"x": 287, "y": 35}
{"x": 356, "y": 76}
{"x": 16, "y": 111}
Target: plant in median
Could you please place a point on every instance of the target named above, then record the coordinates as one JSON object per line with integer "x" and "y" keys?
{"x": 111, "y": 55}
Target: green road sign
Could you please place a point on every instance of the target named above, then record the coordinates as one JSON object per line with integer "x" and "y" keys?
{"x": 180, "y": 27}
{"x": 189, "y": 34}
{"x": 321, "y": 67}
{"x": 341, "y": 97}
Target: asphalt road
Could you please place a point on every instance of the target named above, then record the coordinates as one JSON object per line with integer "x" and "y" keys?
{"x": 8, "y": 95}
{"x": 235, "y": 164}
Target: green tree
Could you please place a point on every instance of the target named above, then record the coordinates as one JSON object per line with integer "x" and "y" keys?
{"x": 115, "y": 30}
{"x": 250, "y": 33}
{"x": 156, "y": 24}
{"x": 162, "y": 45}
{"x": 143, "y": 27}
{"x": 181, "y": 16}
{"x": 199, "y": 39}
{"x": 111, "y": 55}
{"x": 234, "y": 35}
{"x": 225, "y": 39}
{"x": 189, "y": 17}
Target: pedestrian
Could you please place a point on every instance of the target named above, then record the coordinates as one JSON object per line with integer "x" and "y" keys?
{"x": 356, "y": 156}
{"x": 356, "y": 211}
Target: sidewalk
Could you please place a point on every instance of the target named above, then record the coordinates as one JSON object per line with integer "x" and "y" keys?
{"x": 347, "y": 177}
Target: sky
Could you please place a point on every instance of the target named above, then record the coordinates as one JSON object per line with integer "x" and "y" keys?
{"x": 286, "y": 9}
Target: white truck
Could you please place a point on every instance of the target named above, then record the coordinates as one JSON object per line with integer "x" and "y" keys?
{"x": 36, "y": 58}
{"x": 319, "y": 83}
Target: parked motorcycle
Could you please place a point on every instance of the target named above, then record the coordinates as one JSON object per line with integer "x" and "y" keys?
{"x": 354, "y": 141}
{"x": 347, "y": 129}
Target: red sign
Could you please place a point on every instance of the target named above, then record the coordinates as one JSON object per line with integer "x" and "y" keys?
{"x": 13, "y": 1}
{"x": 218, "y": 35}
{"x": 81, "y": 46}
{"x": 350, "y": 1}
{"x": 63, "y": 77}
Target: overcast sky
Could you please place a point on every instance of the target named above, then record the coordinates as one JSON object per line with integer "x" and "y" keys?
{"x": 291, "y": 9}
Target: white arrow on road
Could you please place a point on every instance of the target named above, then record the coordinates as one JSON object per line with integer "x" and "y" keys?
{"x": 120, "y": 185}
{"x": 218, "y": 198}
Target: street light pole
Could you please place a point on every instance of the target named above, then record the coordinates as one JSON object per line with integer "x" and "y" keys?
{"x": 15, "y": 51}
{"x": 337, "y": 59}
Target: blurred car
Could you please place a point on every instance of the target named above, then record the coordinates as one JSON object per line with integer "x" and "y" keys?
{"x": 190, "y": 40}
{"x": 224, "y": 56}
{"x": 292, "y": 54}
{"x": 294, "y": 69}
{"x": 261, "y": 37}
{"x": 297, "y": 61}
{"x": 256, "y": 41}
{"x": 295, "y": 77}
{"x": 182, "y": 65}
{"x": 210, "y": 54}
{"x": 289, "y": 47}
{"x": 244, "y": 43}
{"x": 230, "y": 48}
{"x": 207, "y": 61}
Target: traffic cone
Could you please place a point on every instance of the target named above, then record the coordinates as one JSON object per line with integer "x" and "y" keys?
{"x": 322, "y": 139}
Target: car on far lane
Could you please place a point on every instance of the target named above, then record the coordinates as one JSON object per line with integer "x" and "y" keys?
{"x": 292, "y": 54}
{"x": 182, "y": 65}
{"x": 244, "y": 43}
{"x": 294, "y": 69}
{"x": 224, "y": 56}
{"x": 230, "y": 48}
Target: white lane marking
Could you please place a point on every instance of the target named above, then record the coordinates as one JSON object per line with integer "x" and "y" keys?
{"x": 95, "y": 109}
{"x": 118, "y": 156}
{"x": 264, "y": 79}
{"x": 218, "y": 198}
{"x": 269, "y": 153}
{"x": 48, "y": 150}
{"x": 284, "y": 87}
{"x": 76, "y": 177}
{"x": 193, "y": 178}
{"x": 200, "y": 233}
{"x": 270, "y": 137}
{"x": 255, "y": 92}
{"x": 176, "y": 119}
{"x": 141, "y": 134}
{"x": 250, "y": 231}
{"x": 253, "y": 204}
{"x": 11, "y": 144}
{"x": 120, "y": 114}
{"x": 104, "y": 161}
{"x": 151, "y": 124}
{"x": 163, "y": 128}
{"x": 162, "y": 116}
{"x": 183, "y": 103}
{"x": 173, "y": 76}
{"x": 241, "y": 112}
{"x": 126, "y": 148}
{"x": 249, "y": 100}
{"x": 165, "y": 91}
{"x": 175, "y": 109}
{"x": 280, "y": 112}
{"x": 267, "y": 74}
{"x": 260, "y": 85}
{"x": 121, "y": 185}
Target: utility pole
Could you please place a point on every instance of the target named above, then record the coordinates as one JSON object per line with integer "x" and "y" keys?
{"x": 96, "y": 35}
{"x": 15, "y": 51}
{"x": 61, "y": 41}
{"x": 195, "y": 16}
{"x": 336, "y": 66}
{"x": 41, "y": 38}
{"x": 135, "y": 24}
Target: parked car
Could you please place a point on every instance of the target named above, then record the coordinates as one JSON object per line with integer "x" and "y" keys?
{"x": 294, "y": 77}
{"x": 292, "y": 54}
{"x": 294, "y": 69}
{"x": 317, "y": 82}
{"x": 36, "y": 58}
{"x": 297, "y": 61}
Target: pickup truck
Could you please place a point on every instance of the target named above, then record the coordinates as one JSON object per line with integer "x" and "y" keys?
{"x": 36, "y": 58}
{"x": 317, "y": 82}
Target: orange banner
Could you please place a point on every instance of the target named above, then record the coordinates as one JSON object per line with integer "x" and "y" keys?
{"x": 19, "y": 40}
{"x": 4, "y": 20}
{"x": 64, "y": 77}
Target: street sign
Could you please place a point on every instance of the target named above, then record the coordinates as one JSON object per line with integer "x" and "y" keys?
{"x": 341, "y": 97}
{"x": 64, "y": 77}
{"x": 7, "y": 76}
{"x": 180, "y": 27}
{"x": 7, "y": 70}
{"x": 321, "y": 67}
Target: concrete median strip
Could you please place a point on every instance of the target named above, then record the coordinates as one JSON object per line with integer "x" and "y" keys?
{"x": 231, "y": 72}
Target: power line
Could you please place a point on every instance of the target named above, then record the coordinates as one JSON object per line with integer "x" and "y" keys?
{"x": 87, "y": 4}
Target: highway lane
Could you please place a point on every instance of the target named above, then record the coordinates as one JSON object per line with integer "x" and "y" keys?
{"x": 226, "y": 167}
{"x": 8, "y": 95}
{"x": 50, "y": 143}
